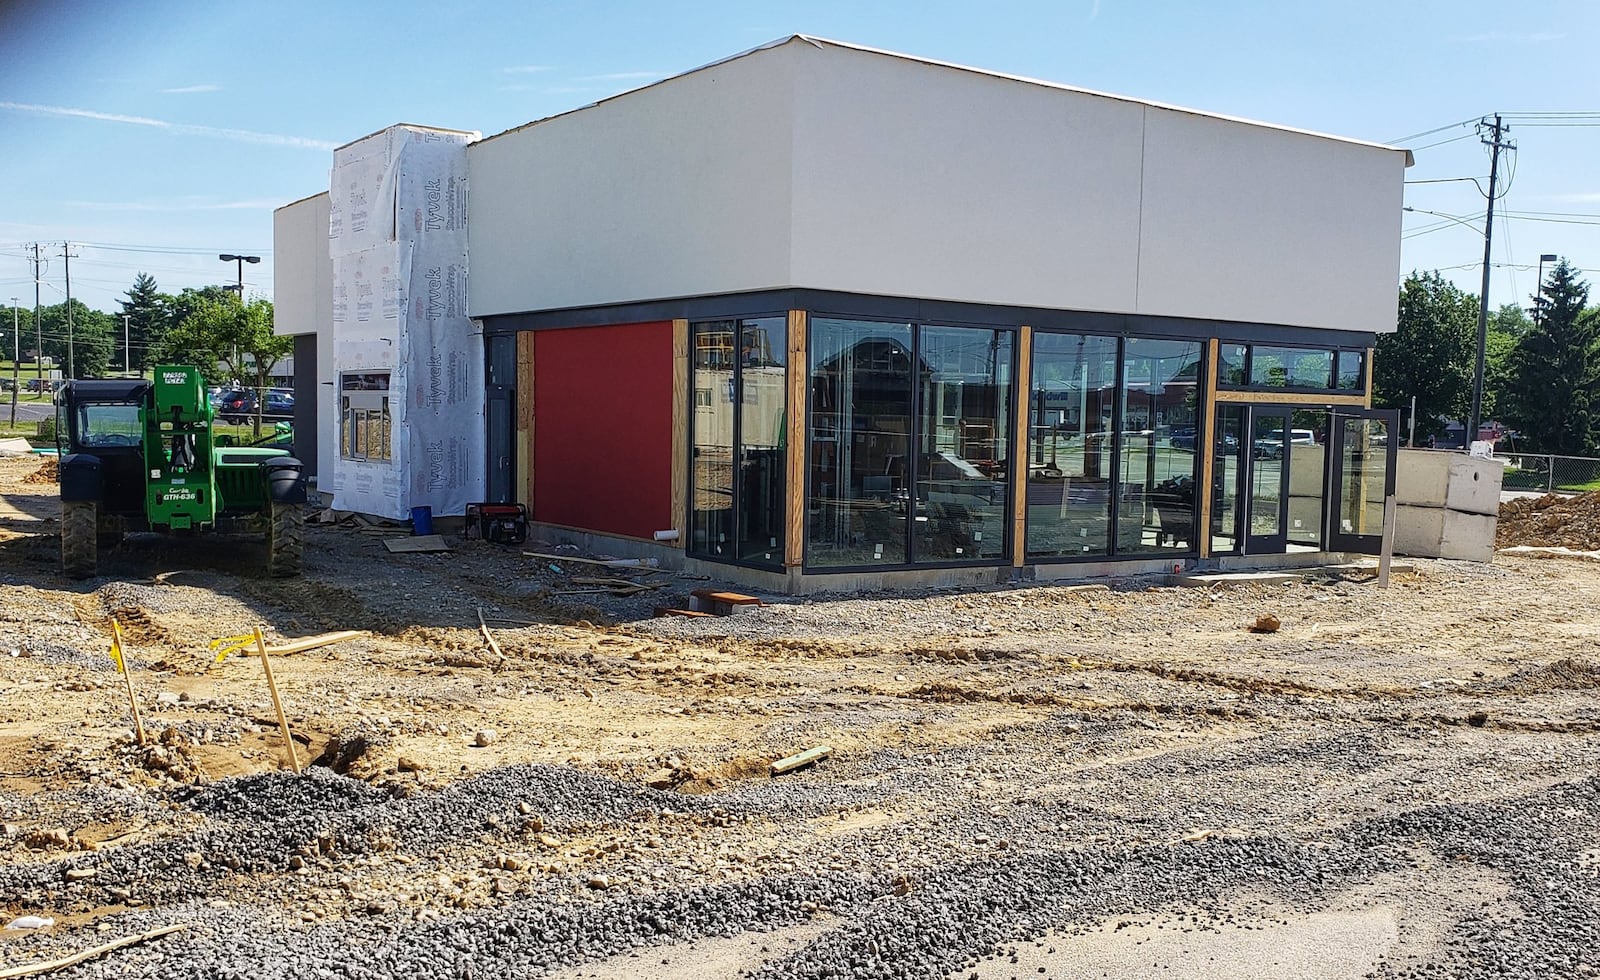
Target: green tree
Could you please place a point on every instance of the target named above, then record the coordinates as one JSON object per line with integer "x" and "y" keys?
{"x": 1553, "y": 385}
{"x": 1506, "y": 325}
{"x": 227, "y": 341}
{"x": 148, "y": 312}
{"x": 1430, "y": 355}
{"x": 81, "y": 346}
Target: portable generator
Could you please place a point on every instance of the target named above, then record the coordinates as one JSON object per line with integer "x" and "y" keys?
{"x": 500, "y": 523}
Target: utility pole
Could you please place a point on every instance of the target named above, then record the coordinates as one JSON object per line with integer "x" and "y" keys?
{"x": 66, "y": 259}
{"x": 127, "y": 362}
{"x": 16, "y": 355}
{"x": 38, "y": 329}
{"x": 1496, "y": 130}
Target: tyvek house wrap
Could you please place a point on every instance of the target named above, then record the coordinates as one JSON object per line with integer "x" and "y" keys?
{"x": 397, "y": 236}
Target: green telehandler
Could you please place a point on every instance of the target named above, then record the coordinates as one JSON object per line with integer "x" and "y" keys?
{"x": 141, "y": 455}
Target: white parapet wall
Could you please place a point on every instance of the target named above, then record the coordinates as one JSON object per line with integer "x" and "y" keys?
{"x": 408, "y": 365}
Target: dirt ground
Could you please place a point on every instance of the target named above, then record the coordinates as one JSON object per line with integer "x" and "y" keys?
{"x": 1461, "y": 682}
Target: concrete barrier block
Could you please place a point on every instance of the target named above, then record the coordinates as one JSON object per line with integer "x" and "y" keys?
{"x": 1436, "y": 532}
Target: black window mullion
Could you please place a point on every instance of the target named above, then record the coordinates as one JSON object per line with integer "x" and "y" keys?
{"x": 1119, "y": 397}
{"x": 914, "y": 445}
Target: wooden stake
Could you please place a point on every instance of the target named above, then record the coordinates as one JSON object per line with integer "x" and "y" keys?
{"x": 1386, "y": 552}
{"x": 272, "y": 685}
{"x": 51, "y": 966}
{"x": 127, "y": 681}
{"x": 483, "y": 627}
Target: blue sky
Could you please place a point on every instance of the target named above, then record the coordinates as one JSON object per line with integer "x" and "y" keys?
{"x": 172, "y": 129}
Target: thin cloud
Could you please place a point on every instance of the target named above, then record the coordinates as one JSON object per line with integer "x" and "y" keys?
{"x": 527, "y": 69}
{"x": 181, "y": 204}
{"x": 619, "y": 76}
{"x": 191, "y": 89}
{"x": 184, "y": 129}
{"x": 1508, "y": 37}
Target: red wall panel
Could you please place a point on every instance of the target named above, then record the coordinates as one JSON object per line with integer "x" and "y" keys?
{"x": 602, "y": 427}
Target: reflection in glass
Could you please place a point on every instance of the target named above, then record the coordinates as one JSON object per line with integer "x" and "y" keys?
{"x": 964, "y": 391}
{"x": 1352, "y": 375}
{"x": 1156, "y": 501}
{"x": 1365, "y": 462}
{"x": 1070, "y": 404}
{"x": 1307, "y": 461}
{"x": 1291, "y": 367}
{"x": 763, "y": 355}
{"x": 1225, "y": 479}
{"x": 860, "y": 428}
{"x": 1231, "y": 359}
{"x": 1269, "y": 447}
{"x": 737, "y": 506}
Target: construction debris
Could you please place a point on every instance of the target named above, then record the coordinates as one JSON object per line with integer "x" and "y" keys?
{"x": 800, "y": 761}
{"x": 1266, "y": 623}
{"x": 1550, "y": 521}
{"x": 53, "y": 966}
{"x": 416, "y": 543}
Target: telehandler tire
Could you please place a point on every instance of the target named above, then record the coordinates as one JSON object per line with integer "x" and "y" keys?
{"x": 285, "y": 539}
{"x": 80, "y": 546}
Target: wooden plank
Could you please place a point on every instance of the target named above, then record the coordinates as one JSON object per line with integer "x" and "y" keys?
{"x": 643, "y": 564}
{"x": 1288, "y": 398}
{"x": 1019, "y": 448}
{"x": 802, "y": 760}
{"x": 524, "y": 439}
{"x": 1368, "y": 394}
{"x": 794, "y": 413}
{"x": 416, "y": 543}
{"x": 488, "y": 637}
{"x": 53, "y": 966}
{"x": 1205, "y": 445}
{"x": 681, "y": 407}
{"x": 664, "y": 611}
{"x": 312, "y": 642}
{"x": 1386, "y": 551}
{"x": 730, "y": 598}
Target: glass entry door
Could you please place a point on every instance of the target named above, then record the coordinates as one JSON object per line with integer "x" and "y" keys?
{"x": 1362, "y": 477}
{"x": 1266, "y": 509}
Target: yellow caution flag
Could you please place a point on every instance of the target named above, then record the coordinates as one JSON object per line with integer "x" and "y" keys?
{"x": 116, "y": 645}
{"x": 229, "y": 644}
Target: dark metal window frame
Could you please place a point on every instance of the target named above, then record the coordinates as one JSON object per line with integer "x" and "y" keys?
{"x": 1223, "y": 384}
{"x": 737, "y": 408}
{"x": 913, "y": 428}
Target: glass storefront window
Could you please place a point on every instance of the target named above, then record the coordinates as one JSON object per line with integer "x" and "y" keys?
{"x": 963, "y": 426}
{"x": 1291, "y": 367}
{"x": 737, "y": 439}
{"x": 1156, "y": 488}
{"x": 1352, "y": 374}
{"x": 859, "y": 429}
{"x": 1231, "y": 361}
{"x": 1070, "y": 402}
{"x": 1227, "y": 464}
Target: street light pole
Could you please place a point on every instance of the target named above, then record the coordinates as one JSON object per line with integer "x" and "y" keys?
{"x": 240, "y": 260}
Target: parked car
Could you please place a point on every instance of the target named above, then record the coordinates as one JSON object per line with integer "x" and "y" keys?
{"x": 1272, "y": 446}
{"x": 279, "y": 404}
{"x": 236, "y": 405}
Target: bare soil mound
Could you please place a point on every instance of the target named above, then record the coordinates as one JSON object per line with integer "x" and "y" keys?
{"x": 48, "y": 473}
{"x": 1551, "y": 521}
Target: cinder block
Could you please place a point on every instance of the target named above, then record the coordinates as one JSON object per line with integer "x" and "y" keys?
{"x": 1436, "y": 532}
